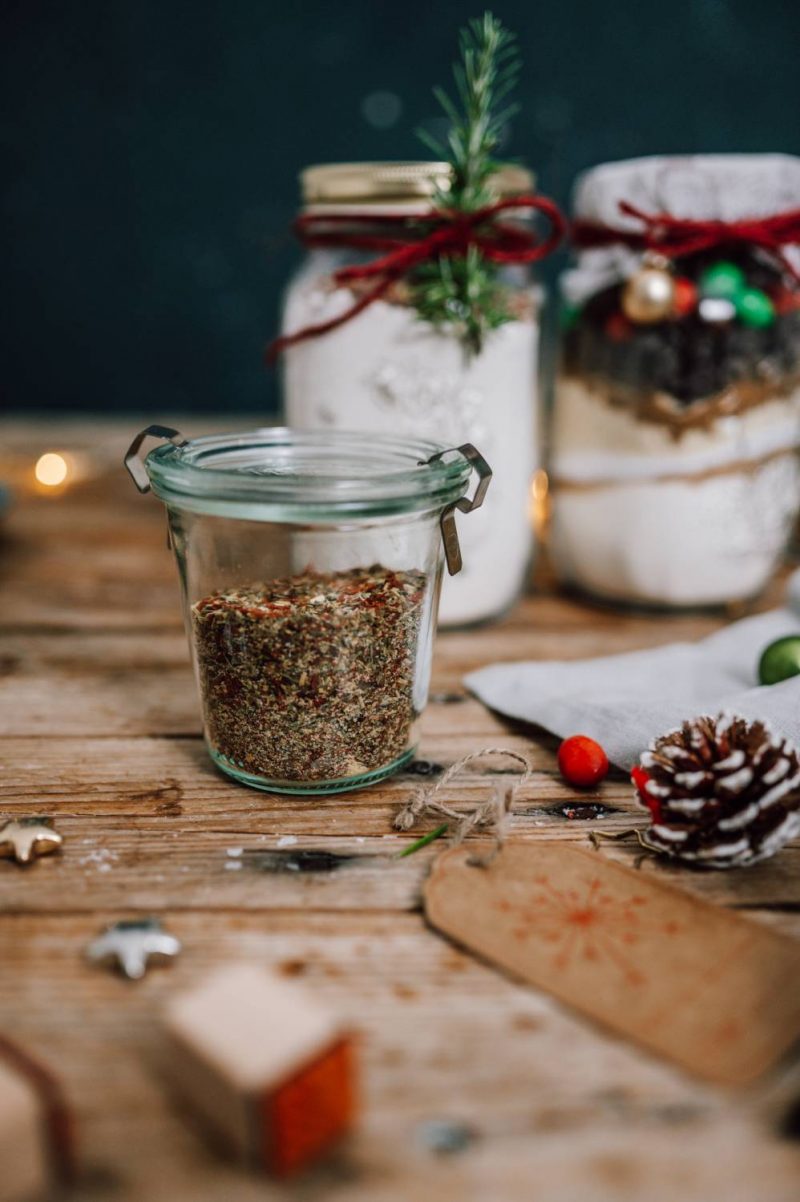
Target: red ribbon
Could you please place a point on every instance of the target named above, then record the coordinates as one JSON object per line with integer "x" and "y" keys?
{"x": 675, "y": 237}
{"x": 403, "y": 242}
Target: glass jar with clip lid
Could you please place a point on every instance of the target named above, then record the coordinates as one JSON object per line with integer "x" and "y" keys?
{"x": 310, "y": 566}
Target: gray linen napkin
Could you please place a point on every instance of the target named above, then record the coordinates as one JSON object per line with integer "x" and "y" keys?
{"x": 625, "y": 701}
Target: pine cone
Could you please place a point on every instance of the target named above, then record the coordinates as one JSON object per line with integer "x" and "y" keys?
{"x": 722, "y": 792}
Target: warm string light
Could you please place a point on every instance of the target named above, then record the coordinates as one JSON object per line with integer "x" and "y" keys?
{"x": 540, "y": 504}
{"x": 51, "y": 473}
{"x": 51, "y": 469}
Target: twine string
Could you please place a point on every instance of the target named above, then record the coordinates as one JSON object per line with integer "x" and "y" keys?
{"x": 490, "y": 815}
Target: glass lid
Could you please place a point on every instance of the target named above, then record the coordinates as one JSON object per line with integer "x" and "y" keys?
{"x": 275, "y": 473}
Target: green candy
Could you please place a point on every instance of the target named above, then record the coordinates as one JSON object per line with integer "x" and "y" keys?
{"x": 722, "y": 280}
{"x": 754, "y": 308}
{"x": 568, "y": 315}
{"x": 780, "y": 660}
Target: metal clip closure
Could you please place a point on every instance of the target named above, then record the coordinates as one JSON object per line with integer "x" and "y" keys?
{"x": 134, "y": 460}
{"x": 447, "y": 522}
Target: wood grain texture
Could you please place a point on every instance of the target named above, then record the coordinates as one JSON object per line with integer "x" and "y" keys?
{"x": 99, "y": 727}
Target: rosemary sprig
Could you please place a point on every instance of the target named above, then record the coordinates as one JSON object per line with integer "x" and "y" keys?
{"x": 431, "y": 837}
{"x": 464, "y": 291}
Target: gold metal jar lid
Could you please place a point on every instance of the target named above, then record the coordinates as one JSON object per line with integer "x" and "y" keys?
{"x": 382, "y": 183}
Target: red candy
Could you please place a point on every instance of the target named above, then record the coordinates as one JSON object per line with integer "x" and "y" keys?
{"x": 685, "y": 301}
{"x": 787, "y": 300}
{"x": 582, "y": 761}
{"x": 618, "y": 328}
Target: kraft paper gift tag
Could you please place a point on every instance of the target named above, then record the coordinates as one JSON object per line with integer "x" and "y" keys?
{"x": 717, "y": 993}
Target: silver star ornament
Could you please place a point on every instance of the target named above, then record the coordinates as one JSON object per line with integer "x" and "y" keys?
{"x": 131, "y": 944}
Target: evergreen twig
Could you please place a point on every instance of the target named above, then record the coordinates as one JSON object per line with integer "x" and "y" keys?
{"x": 464, "y": 291}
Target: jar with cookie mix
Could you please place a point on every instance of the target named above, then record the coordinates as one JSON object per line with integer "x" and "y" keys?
{"x": 676, "y": 422}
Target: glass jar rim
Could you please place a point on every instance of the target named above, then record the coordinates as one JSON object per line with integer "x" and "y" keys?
{"x": 280, "y": 474}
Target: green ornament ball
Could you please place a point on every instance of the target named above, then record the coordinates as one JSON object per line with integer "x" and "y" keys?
{"x": 780, "y": 660}
{"x": 722, "y": 280}
{"x": 754, "y": 308}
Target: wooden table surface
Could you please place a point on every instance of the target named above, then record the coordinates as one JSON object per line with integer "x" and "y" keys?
{"x": 100, "y": 729}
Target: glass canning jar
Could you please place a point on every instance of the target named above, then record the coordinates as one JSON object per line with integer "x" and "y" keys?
{"x": 674, "y": 465}
{"x": 310, "y": 567}
{"x": 390, "y": 371}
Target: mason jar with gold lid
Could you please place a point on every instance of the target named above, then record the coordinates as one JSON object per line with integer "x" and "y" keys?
{"x": 389, "y": 370}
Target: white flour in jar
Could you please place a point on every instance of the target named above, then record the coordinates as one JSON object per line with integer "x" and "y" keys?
{"x": 388, "y": 371}
{"x": 641, "y": 515}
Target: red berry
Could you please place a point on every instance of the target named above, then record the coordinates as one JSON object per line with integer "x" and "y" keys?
{"x": 685, "y": 301}
{"x": 582, "y": 761}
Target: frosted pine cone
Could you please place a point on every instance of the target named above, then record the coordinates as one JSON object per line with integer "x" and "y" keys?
{"x": 722, "y": 792}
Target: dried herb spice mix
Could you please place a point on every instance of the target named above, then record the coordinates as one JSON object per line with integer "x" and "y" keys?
{"x": 311, "y": 677}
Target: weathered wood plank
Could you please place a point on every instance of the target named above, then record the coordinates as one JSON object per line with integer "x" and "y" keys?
{"x": 162, "y": 867}
{"x": 552, "y": 1102}
{"x": 82, "y": 684}
{"x": 149, "y": 823}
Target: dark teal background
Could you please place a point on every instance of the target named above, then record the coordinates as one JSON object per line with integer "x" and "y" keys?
{"x": 150, "y": 153}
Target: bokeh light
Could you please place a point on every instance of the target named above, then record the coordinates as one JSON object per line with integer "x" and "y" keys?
{"x": 51, "y": 469}
{"x": 381, "y": 110}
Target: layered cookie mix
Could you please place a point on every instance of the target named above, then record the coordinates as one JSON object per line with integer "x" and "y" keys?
{"x": 677, "y": 414}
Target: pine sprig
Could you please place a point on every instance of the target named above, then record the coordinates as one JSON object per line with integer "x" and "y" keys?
{"x": 464, "y": 291}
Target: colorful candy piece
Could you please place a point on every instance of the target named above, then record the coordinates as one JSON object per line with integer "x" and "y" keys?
{"x": 787, "y": 300}
{"x": 722, "y": 280}
{"x": 618, "y": 328}
{"x": 685, "y": 301}
{"x": 716, "y": 310}
{"x": 754, "y": 308}
{"x": 568, "y": 315}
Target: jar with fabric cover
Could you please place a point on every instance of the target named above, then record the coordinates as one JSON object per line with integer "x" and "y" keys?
{"x": 676, "y": 424}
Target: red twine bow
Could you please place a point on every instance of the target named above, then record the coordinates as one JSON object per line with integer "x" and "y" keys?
{"x": 675, "y": 237}
{"x": 404, "y": 242}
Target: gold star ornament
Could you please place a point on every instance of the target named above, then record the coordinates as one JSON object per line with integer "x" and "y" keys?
{"x": 25, "y": 839}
